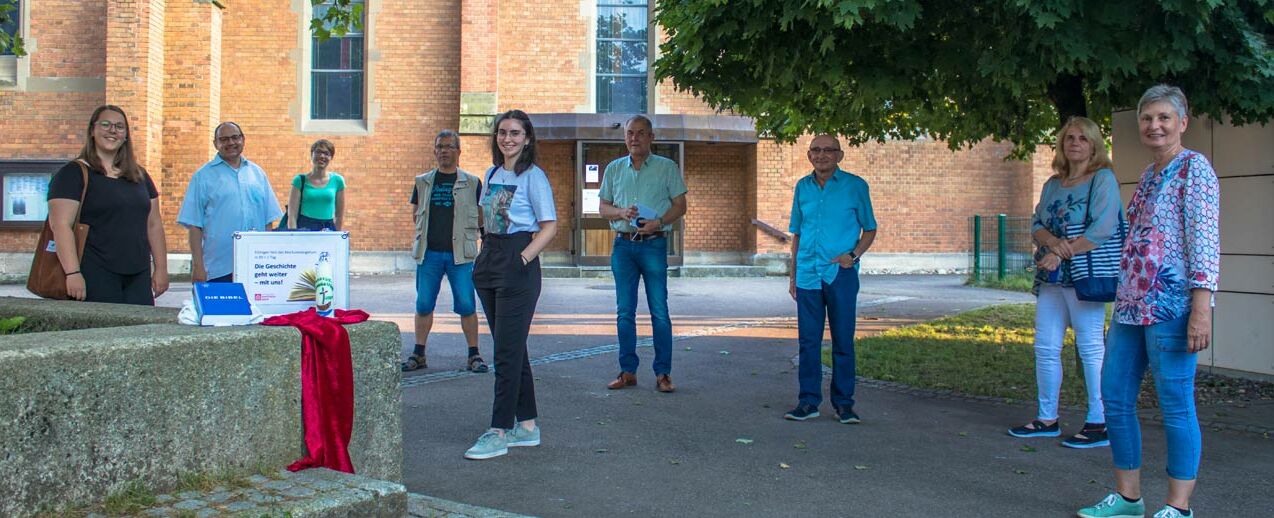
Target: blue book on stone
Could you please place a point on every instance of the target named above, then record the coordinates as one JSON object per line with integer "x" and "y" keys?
{"x": 222, "y": 304}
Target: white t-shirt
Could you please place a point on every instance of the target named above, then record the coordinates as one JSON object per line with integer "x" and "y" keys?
{"x": 516, "y": 202}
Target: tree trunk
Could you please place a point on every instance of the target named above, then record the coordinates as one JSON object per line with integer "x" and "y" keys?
{"x": 1067, "y": 94}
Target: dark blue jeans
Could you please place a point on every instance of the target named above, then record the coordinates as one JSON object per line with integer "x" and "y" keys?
{"x": 646, "y": 260}
{"x": 836, "y": 303}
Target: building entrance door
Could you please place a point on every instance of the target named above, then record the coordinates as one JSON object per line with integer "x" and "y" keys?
{"x": 594, "y": 234}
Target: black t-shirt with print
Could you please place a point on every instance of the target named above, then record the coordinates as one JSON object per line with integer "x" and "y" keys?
{"x": 116, "y": 211}
{"x": 441, "y": 211}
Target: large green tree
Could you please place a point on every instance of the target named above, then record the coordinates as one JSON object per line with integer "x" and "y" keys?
{"x": 962, "y": 71}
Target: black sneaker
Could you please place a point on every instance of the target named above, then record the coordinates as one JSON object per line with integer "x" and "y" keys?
{"x": 847, "y": 416}
{"x": 1037, "y": 428}
{"x": 801, "y": 412}
{"x": 1092, "y": 436}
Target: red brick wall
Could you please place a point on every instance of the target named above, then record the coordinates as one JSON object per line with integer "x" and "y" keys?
{"x": 479, "y": 36}
{"x": 922, "y": 192}
{"x": 718, "y": 216}
{"x": 69, "y": 36}
{"x": 543, "y": 49}
{"x": 773, "y": 192}
{"x": 415, "y": 94}
{"x": 192, "y": 97}
{"x": 241, "y": 64}
{"x": 51, "y": 125}
{"x": 134, "y": 71}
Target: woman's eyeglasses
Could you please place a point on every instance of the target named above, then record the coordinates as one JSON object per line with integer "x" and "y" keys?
{"x": 119, "y": 127}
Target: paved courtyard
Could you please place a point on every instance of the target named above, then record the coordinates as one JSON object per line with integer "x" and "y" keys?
{"x": 719, "y": 446}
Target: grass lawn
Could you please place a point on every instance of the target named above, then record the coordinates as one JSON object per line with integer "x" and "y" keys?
{"x": 988, "y": 351}
{"x": 991, "y": 352}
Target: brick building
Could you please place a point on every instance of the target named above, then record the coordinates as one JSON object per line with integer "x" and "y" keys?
{"x": 180, "y": 66}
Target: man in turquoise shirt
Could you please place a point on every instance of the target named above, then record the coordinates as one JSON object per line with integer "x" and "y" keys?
{"x": 832, "y": 226}
{"x": 226, "y": 195}
{"x": 642, "y": 194}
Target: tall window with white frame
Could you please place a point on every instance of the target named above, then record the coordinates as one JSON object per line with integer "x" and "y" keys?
{"x": 622, "y": 64}
{"x": 337, "y": 73}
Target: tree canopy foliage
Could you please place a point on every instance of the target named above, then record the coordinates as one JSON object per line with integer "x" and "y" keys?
{"x": 961, "y": 71}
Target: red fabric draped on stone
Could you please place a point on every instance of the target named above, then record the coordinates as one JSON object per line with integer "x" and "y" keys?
{"x": 327, "y": 386}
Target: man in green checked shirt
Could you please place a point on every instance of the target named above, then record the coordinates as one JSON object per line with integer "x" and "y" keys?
{"x": 642, "y": 194}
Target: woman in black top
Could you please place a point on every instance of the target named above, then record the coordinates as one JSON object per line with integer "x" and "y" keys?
{"x": 121, "y": 208}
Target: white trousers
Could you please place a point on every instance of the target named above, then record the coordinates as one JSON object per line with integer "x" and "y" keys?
{"x": 1055, "y": 309}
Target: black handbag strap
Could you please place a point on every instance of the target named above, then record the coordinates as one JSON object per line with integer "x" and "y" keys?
{"x": 83, "y": 190}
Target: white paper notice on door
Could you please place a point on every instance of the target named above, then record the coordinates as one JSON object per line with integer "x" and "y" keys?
{"x": 592, "y": 201}
{"x": 591, "y": 174}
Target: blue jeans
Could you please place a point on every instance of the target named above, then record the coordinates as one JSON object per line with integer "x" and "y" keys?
{"x": 646, "y": 260}
{"x": 1162, "y": 348}
{"x": 429, "y": 280}
{"x": 836, "y": 303}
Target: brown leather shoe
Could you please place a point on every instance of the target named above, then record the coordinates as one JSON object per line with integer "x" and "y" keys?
{"x": 663, "y": 383}
{"x": 624, "y": 379}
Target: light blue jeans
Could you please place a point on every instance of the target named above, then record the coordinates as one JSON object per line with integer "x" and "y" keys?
{"x": 647, "y": 261}
{"x": 1162, "y": 348}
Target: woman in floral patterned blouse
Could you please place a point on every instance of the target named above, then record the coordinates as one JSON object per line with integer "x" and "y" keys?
{"x": 1163, "y": 307}
{"x": 1079, "y": 210}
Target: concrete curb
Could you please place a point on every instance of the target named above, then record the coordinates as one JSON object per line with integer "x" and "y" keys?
{"x": 421, "y": 506}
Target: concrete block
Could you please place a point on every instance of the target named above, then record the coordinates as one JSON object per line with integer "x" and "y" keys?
{"x": 121, "y": 397}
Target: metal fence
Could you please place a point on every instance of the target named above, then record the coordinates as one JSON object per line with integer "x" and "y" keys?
{"x": 1002, "y": 246}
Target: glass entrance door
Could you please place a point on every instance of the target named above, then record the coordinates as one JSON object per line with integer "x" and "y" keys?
{"x": 594, "y": 236}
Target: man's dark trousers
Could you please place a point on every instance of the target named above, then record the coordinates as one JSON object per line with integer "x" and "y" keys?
{"x": 836, "y": 303}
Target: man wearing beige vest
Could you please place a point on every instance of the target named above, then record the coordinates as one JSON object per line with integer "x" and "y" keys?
{"x": 445, "y": 212}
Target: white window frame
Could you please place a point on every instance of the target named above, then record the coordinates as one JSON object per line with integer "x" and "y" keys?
{"x": 305, "y": 54}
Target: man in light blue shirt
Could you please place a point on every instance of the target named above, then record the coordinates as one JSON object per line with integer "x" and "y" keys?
{"x": 226, "y": 195}
{"x": 642, "y": 194}
{"x": 832, "y": 226}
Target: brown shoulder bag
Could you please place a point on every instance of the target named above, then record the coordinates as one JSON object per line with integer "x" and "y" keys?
{"x": 47, "y": 278}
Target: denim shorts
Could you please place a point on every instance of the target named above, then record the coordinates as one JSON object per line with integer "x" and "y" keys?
{"x": 429, "y": 281}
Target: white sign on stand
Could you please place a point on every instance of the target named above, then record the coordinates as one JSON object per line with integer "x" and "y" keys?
{"x": 278, "y": 268}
